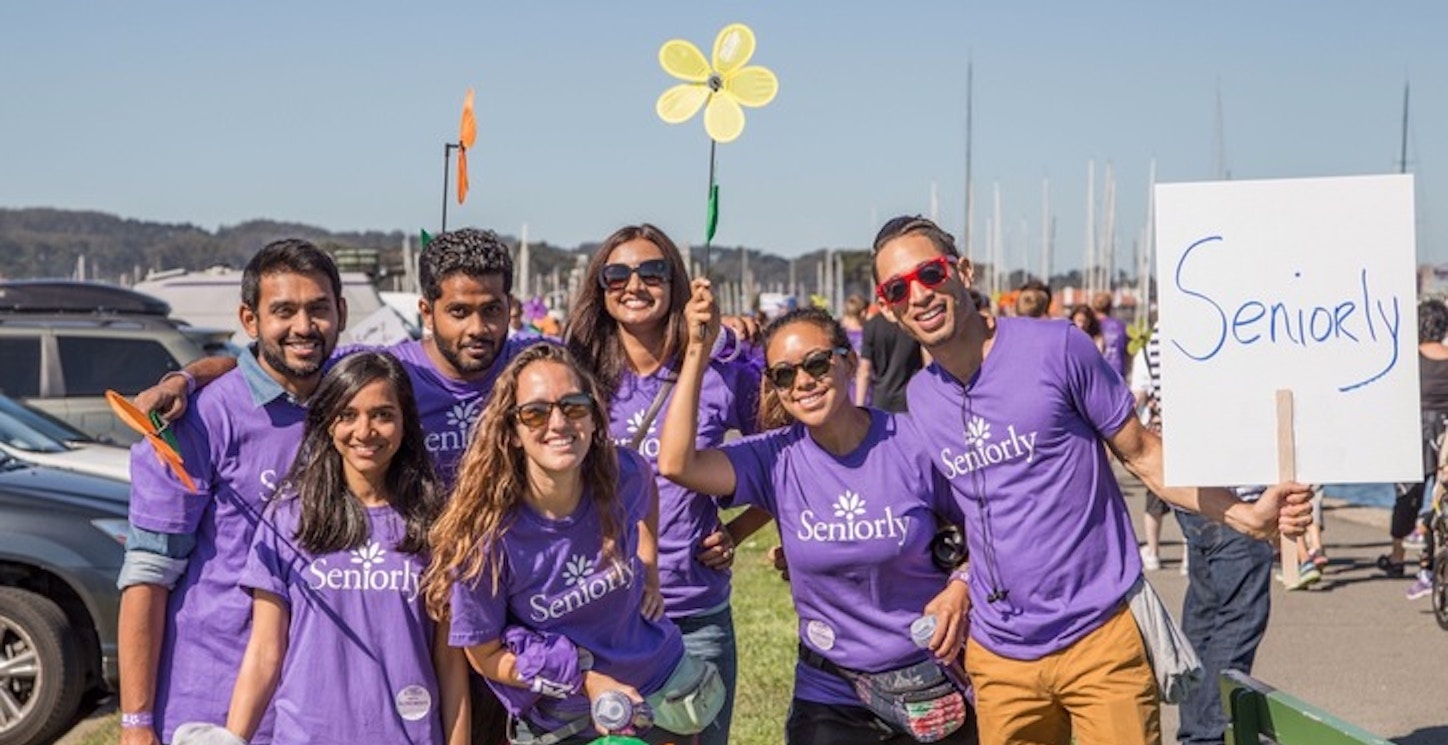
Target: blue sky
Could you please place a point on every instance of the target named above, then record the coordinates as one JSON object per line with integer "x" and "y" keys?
{"x": 335, "y": 114}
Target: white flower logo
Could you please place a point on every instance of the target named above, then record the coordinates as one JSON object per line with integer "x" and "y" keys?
{"x": 462, "y": 415}
{"x": 977, "y": 432}
{"x": 910, "y": 680}
{"x": 368, "y": 555}
{"x": 849, "y": 506}
{"x": 636, "y": 421}
{"x": 578, "y": 569}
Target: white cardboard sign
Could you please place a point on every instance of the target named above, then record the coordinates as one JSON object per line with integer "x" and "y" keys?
{"x": 1306, "y": 285}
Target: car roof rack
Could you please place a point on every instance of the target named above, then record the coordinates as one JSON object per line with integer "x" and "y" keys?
{"x": 68, "y": 296}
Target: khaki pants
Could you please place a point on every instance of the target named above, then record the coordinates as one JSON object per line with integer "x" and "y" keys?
{"x": 1100, "y": 690}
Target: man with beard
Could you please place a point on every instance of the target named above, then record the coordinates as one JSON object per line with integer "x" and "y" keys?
{"x": 183, "y": 621}
{"x": 1017, "y": 414}
{"x": 467, "y": 281}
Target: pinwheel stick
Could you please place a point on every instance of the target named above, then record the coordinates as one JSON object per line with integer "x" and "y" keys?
{"x": 447, "y": 149}
{"x": 711, "y": 220}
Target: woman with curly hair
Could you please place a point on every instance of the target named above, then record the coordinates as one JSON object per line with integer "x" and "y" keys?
{"x": 544, "y": 560}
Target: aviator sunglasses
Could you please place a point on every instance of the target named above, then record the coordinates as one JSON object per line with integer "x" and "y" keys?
{"x": 816, "y": 363}
{"x": 653, "y": 273}
{"x": 534, "y": 414}
{"x": 929, "y": 274}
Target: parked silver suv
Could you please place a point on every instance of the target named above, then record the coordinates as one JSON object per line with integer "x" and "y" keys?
{"x": 65, "y": 343}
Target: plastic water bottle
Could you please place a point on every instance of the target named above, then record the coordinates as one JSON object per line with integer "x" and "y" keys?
{"x": 921, "y": 629}
{"x": 615, "y": 713}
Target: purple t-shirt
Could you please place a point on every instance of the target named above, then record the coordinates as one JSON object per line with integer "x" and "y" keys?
{"x": 449, "y": 407}
{"x": 856, "y": 531}
{"x": 1113, "y": 334}
{"x": 1021, "y": 443}
{"x": 554, "y": 580}
{"x": 729, "y": 400}
{"x": 236, "y": 448}
{"x": 359, "y": 648}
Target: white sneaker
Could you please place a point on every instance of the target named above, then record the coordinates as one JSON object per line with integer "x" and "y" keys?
{"x": 1149, "y": 561}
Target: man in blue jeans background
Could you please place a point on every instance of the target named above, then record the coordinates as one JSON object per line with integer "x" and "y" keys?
{"x": 1224, "y": 615}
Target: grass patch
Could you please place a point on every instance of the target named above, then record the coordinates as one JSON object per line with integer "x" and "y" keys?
{"x": 766, "y": 632}
{"x": 106, "y": 731}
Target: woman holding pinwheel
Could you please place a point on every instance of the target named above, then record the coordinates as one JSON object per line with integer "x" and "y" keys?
{"x": 628, "y": 326}
{"x": 858, "y": 506}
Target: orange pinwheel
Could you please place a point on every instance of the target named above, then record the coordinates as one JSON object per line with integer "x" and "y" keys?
{"x": 153, "y": 431}
{"x": 467, "y": 135}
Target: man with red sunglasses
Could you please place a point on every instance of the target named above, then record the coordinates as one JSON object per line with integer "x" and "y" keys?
{"x": 1015, "y": 414}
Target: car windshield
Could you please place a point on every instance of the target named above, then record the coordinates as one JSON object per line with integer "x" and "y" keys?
{"x": 27, "y": 429}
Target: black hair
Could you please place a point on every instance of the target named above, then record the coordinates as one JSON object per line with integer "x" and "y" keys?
{"x": 471, "y": 251}
{"x": 771, "y": 411}
{"x": 330, "y": 520}
{"x": 287, "y": 256}
{"x": 911, "y": 225}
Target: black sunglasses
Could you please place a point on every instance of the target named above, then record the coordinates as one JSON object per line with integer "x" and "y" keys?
{"x": 653, "y": 273}
{"x": 929, "y": 274}
{"x": 816, "y": 363}
{"x": 534, "y": 414}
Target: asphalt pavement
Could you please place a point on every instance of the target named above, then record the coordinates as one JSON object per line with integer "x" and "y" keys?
{"x": 1352, "y": 644}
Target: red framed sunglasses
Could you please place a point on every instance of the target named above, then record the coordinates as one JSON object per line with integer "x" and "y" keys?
{"x": 928, "y": 273}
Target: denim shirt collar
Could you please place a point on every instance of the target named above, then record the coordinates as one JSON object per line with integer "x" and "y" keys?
{"x": 263, "y": 387}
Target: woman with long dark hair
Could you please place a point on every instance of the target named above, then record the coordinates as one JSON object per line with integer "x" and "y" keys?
{"x": 628, "y": 325}
{"x": 858, "y": 506}
{"x": 543, "y": 558}
{"x": 341, "y": 644}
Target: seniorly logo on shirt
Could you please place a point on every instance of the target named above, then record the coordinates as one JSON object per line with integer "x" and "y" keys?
{"x": 584, "y": 587}
{"x": 649, "y": 443}
{"x": 980, "y": 451}
{"x": 367, "y": 573}
{"x": 458, "y": 427}
{"x": 851, "y": 523}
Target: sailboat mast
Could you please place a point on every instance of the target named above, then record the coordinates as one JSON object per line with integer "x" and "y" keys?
{"x": 1403, "y": 152}
{"x": 1087, "y": 273}
{"x": 969, "y": 191}
{"x": 1046, "y": 231}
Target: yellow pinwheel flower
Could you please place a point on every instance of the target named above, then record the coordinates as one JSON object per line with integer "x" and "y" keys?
{"x": 726, "y": 84}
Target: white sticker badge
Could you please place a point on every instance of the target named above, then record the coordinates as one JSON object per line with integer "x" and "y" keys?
{"x": 820, "y": 634}
{"x": 413, "y": 703}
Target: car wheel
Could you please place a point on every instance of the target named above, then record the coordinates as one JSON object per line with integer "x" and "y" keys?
{"x": 41, "y": 677}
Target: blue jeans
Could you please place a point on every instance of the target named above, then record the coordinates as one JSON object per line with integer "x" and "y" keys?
{"x": 1224, "y": 615}
{"x": 711, "y": 637}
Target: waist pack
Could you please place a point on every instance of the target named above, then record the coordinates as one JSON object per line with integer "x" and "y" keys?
{"x": 690, "y": 699}
{"x": 917, "y": 700}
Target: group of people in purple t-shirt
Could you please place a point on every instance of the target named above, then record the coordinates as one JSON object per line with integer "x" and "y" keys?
{"x": 555, "y": 510}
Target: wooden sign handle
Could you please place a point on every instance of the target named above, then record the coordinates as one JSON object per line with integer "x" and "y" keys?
{"x": 1287, "y": 471}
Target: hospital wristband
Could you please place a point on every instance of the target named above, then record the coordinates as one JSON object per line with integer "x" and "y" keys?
{"x": 136, "y": 720}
